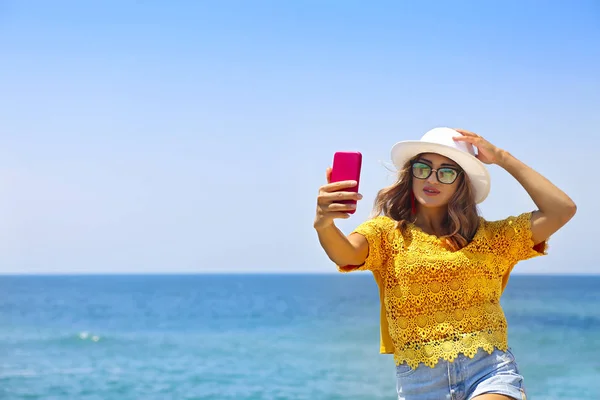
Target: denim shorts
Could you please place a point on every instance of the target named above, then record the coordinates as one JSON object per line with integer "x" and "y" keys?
{"x": 462, "y": 379}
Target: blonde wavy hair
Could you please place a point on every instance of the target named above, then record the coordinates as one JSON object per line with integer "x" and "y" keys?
{"x": 462, "y": 218}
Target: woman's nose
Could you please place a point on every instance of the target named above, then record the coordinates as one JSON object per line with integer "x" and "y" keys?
{"x": 433, "y": 177}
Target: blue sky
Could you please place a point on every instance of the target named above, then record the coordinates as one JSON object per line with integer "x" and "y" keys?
{"x": 193, "y": 136}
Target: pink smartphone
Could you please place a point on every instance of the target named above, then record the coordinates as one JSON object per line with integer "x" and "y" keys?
{"x": 346, "y": 167}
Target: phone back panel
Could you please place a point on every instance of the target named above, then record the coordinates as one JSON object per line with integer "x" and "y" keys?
{"x": 346, "y": 167}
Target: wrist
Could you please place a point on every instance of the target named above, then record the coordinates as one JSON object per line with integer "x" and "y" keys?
{"x": 503, "y": 158}
{"x": 321, "y": 226}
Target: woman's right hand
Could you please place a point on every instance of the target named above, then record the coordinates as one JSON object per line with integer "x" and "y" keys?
{"x": 328, "y": 206}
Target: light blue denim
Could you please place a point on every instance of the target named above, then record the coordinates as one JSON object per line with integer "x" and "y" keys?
{"x": 462, "y": 379}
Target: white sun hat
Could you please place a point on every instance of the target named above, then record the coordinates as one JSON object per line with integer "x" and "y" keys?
{"x": 439, "y": 140}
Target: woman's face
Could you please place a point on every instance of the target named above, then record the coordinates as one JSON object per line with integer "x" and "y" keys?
{"x": 428, "y": 190}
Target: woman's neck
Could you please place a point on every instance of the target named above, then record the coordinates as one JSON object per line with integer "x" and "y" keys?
{"x": 432, "y": 220}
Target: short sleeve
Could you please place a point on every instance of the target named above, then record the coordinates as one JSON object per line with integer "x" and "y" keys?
{"x": 377, "y": 232}
{"x": 512, "y": 238}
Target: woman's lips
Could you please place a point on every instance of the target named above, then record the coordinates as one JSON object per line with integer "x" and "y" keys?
{"x": 430, "y": 191}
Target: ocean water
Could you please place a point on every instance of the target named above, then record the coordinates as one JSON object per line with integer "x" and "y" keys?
{"x": 258, "y": 337}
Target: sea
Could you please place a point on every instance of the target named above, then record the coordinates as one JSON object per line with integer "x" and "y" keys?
{"x": 259, "y": 337}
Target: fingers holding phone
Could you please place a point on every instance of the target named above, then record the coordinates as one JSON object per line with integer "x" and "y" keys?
{"x": 336, "y": 201}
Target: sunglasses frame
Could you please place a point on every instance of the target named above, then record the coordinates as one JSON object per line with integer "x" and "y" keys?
{"x": 431, "y": 170}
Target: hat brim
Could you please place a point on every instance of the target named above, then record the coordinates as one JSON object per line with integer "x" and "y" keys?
{"x": 404, "y": 151}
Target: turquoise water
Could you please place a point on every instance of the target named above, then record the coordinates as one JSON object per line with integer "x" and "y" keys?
{"x": 258, "y": 337}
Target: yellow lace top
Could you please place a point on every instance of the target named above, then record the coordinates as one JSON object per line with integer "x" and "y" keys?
{"x": 437, "y": 303}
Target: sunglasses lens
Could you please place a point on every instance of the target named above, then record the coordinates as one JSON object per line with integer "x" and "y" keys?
{"x": 447, "y": 175}
{"x": 421, "y": 170}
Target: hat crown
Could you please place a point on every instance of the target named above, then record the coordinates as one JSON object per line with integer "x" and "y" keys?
{"x": 445, "y": 136}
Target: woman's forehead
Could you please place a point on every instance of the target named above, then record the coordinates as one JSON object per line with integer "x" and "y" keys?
{"x": 437, "y": 159}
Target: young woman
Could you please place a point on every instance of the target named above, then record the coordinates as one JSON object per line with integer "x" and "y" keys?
{"x": 440, "y": 267}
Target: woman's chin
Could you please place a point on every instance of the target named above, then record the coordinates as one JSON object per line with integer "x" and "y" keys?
{"x": 433, "y": 203}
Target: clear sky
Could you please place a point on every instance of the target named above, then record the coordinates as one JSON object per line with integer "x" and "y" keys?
{"x": 184, "y": 136}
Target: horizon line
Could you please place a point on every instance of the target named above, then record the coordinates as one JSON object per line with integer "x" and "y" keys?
{"x": 189, "y": 273}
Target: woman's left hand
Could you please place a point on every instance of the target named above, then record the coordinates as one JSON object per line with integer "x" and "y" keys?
{"x": 487, "y": 152}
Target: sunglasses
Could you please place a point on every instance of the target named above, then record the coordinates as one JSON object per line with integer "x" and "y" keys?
{"x": 446, "y": 175}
